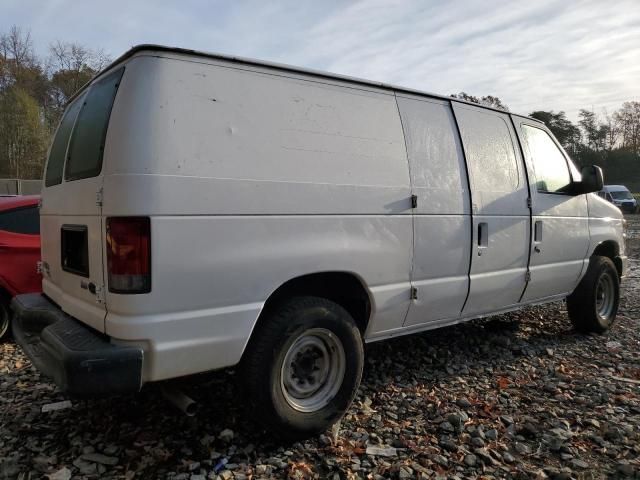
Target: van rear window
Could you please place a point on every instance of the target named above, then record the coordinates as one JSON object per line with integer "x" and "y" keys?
{"x": 55, "y": 165}
{"x": 84, "y": 158}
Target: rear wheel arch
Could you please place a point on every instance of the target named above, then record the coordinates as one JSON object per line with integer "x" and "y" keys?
{"x": 344, "y": 288}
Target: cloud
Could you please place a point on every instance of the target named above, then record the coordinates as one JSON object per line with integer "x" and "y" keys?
{"x": 548, "y": 54}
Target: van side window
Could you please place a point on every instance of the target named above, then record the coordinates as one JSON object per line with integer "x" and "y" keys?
{"x": 549, "y": 165}
{"x": 490, "y": 153}
{"x": 84, "y": 159}
{"x": 21, "y": 220}
{"x": 55, "y": 165}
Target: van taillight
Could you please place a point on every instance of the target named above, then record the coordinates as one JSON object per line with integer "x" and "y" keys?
{"x": 129, "y": 254}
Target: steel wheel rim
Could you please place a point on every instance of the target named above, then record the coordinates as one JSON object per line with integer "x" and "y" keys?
{"x": 605, "y": 296}
{"x": 4, "y": 320}
{"x": 313, "y": 370}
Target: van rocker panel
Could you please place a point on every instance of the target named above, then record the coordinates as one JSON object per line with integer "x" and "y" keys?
{"x": 80, "y": 360}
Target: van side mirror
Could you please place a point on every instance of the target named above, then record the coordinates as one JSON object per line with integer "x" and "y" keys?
{"x": 592, "y": 180}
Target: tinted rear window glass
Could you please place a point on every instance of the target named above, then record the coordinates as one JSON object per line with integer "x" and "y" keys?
{"x": 55, "y": 165}
{"x": 21, "y": 220}
{"x": 84, "y": 159}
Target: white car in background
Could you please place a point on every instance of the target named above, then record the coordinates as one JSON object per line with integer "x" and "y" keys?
{"x": 620, "y": 196}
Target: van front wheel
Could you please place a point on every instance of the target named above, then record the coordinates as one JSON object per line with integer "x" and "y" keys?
{"x": 302, "y": 367}
{"x": 593, "y": 305}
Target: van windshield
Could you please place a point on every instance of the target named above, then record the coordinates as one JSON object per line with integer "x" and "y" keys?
{"x": 84, "y": 155}
{"x": 622, "y": 195}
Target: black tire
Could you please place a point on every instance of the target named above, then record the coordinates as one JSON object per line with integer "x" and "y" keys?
{"x": 592, "y": 307}
{"x": 276, "y": 338}
{"x": 5, "y": 318}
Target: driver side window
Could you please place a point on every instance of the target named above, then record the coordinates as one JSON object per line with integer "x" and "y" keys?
{"x": 549, "y": 165}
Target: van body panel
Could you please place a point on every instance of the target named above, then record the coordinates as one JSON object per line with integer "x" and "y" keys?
{"x": 436, "y": 160}
{"x": 209, "y": 121}
{"x": 440, "y": 267}
{"x": 442, "y": 217}
{"x": 501, "y": 217}
{"x": 139, "y": 194}
{"x": 605, "y": 224}
{"x": 226, "y": 267}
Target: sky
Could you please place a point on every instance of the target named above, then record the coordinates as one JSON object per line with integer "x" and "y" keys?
{"x": 534, "y": 55}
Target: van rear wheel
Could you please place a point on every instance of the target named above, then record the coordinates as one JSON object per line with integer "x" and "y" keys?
{"x": 302, "y": 367}
{"x": 593, "y": 305}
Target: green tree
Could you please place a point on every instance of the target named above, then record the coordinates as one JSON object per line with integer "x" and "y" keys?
{"x": 33, "y": 95}
{"x": 22, "y": 134}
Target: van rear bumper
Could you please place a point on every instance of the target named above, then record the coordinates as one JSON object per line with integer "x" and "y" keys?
{"x": 80, "y": 360}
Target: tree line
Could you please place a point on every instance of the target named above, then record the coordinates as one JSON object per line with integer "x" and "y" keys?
{"x": 33, "y": 95}
{"x": 34, "y": 92}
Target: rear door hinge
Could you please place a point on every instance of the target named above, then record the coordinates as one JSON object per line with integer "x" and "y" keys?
{"x": 414, "y": 201}
{"x": 527, "y": 277}
{"x": 99, "y": 197}
{"x": 99, "y": 294}
{"x": 529, "y": 204}
{"x": 414, "y": 293}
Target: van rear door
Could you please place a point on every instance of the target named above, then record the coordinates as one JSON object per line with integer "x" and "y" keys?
{"x": 72, "y": 228}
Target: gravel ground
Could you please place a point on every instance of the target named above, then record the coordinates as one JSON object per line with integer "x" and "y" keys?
{"x": 516, "y": 396}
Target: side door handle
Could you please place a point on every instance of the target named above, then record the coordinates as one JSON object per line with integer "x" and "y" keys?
{"x": 537, "y": 236}
{"x": 483, "y": 236}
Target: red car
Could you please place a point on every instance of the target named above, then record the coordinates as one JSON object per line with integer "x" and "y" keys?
{"x": 19, "y": 252}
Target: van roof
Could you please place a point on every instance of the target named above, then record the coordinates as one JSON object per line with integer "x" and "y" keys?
{"x": 284, "y": 67}
{"x": 616, "y": 188}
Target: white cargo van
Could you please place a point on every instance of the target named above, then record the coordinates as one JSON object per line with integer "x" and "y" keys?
{"x": 620, "y": 196}
{"x": 202, "y": 211}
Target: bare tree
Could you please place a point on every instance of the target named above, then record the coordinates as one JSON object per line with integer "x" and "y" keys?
{"x": 70, "y": 66}
{"x": 487, "y": 100}
{"x": 628, "y": 121}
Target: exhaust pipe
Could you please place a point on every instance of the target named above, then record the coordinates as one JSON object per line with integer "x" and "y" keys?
{"x": 180, "y": 400}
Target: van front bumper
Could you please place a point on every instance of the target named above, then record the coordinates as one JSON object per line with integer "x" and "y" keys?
{"x": 80, "y": 360}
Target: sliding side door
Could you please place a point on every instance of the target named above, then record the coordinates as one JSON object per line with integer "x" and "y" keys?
{"x": 500, "y": 211}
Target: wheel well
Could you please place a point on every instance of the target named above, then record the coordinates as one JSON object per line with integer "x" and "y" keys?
{"x": 343, "y": 288}
{"x": 610, "y": 249}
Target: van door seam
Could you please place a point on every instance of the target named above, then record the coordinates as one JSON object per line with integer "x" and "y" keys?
{"x": 471, "y": 215}
{"x": 412, "y": 292}
{"x": 530, "y": 207}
